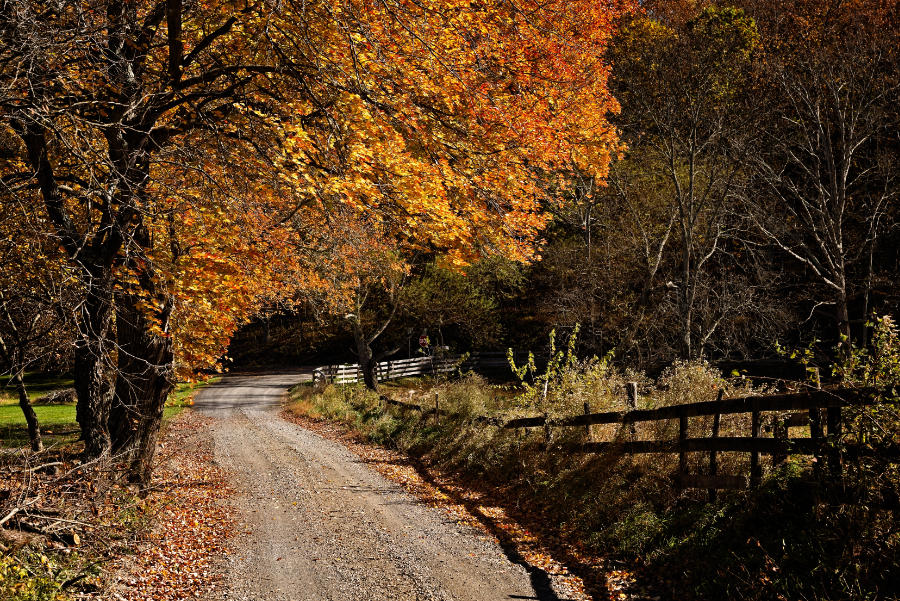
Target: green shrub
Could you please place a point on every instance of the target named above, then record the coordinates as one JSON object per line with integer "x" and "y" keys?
{"x": 31, "y": 581}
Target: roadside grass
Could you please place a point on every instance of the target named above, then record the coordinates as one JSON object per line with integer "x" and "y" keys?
{"x": 795, "y": 537}
{"x": 182, "y": 396}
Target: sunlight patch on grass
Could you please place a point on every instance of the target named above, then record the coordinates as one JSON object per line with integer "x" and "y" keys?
{"x": 57, "y": 422}
{"x": 36, "y": 384}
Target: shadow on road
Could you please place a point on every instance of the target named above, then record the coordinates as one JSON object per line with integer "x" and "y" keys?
{"x": 541, "y": 581}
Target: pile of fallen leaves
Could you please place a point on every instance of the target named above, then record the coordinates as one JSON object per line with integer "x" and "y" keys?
{"x": 70, "y": 530}
{"x": 190, "y": 528}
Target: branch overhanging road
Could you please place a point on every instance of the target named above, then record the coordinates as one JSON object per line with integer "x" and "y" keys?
{"x": 324, "y": 526}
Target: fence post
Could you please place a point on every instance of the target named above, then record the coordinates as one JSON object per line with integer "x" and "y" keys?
{"x": 682, "y": 454}
{"x": 713, "y": 460}
{"x": 587, "y": 427}
{"x": 546, "y": 431}
{"x": 780, "y": 432}
{"x": 834, "y": 435}
{"x": 816, "y": 432}
{"x": 631, "y": 400}
{"x": 755, "y": 469}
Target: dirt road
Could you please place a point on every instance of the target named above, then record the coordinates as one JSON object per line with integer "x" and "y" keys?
{"x": 323, "y": 526}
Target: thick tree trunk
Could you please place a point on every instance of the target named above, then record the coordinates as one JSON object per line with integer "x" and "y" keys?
{"x": 92, "y": 384}
{"x": 34, "y": 432}
{"x": 367, "y": 366}
{"x": 370, "y": 377}
{"x": 144, "y": 381}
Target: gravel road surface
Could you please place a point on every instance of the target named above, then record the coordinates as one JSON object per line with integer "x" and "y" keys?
{"x": 323, "y": 526}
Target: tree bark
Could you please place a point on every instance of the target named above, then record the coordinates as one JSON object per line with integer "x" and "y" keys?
{"x": 367, "y": 364}
{"x": 143, "y": 384}
{"x": 92, "y": 382}
{"x": 34, "y": 432}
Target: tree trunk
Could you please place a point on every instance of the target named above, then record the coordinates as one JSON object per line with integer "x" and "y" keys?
{"x": 370, "y": 377}
{"x": 843, "y": 318}
{"x": 143, "y": 384}
{"x": 34, "y": 432}
{"x": 686, "y": 346}
{"x": 367, "y": 363}
{"x": 686, "y": 295}
{"x": 686, "y": 322}
{"x": 870, "y": 272}
{"x": 92, "y": 384}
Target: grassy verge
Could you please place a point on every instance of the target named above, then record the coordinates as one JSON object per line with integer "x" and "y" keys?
{"x": 37, "y": 385}
{"x": 792, "y": 538}
{"x": 58, "y": 425}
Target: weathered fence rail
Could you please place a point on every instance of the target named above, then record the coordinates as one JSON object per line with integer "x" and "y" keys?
{"x": 803, "y": 409}
{"x": 417, "y": 366}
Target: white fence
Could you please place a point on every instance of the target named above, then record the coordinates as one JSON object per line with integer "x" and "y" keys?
{"x": 350, "y": 373}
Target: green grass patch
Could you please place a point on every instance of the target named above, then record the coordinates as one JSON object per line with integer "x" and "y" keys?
{"x": 49, "y": 415}
{"x": 36, "y": 384}
{"x": 57, "y": 422}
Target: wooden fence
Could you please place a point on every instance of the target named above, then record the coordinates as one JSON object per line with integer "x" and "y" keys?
{"x": 417, "y": 366}
{"x": 818, "y": 410}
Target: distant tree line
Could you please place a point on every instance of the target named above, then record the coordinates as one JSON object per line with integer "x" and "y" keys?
{"x": 758, "y": 197}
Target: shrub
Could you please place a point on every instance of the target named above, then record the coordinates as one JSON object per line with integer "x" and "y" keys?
{"x": 790, "y": 538}
{"x": 19, "y": 582}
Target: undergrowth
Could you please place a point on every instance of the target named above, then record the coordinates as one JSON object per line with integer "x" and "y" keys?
{"x": 794, "y": 537}
{"x": 108, "y": 518}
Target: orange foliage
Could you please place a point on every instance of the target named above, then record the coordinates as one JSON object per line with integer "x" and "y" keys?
{"x": 435, "y": 123}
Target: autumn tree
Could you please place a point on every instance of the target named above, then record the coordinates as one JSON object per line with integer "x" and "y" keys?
{"x": 106, "y": 103}
{"x": 429, "y": 118}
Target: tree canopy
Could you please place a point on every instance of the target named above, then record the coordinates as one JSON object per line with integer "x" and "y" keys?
{"x": 190, "y": 157}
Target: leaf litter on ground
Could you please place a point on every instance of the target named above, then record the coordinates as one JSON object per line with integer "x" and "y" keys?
{"x": 180, "y": 556}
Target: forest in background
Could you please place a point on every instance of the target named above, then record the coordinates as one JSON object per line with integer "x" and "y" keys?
{"x": 754, "y": 207}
